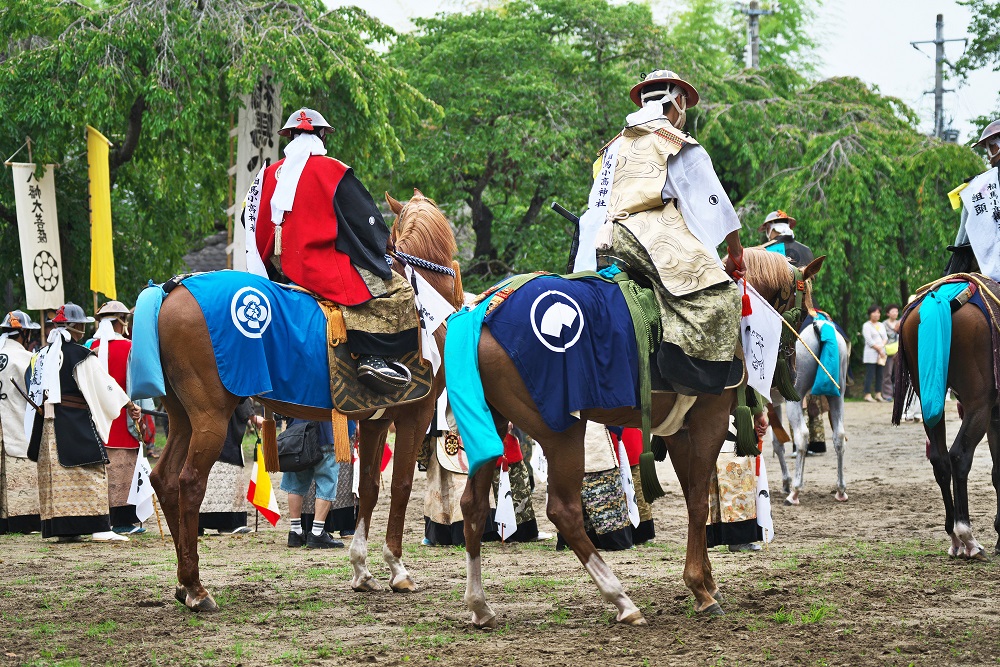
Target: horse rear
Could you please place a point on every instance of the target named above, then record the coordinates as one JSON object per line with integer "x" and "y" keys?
{"x": 971, "y": 376}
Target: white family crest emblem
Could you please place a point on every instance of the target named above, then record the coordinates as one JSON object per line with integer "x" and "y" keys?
{"x": 556, "y": 320}
{"x": 251, "y": 312}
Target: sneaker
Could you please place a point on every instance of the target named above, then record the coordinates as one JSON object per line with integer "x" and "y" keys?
{"x": 347, "y": 533}
{"x": 323, "y": 541}
{"x": 129, "y": 530}
{"x": 296, "y": 540}
{"x": 543, "y": 536}
{"x": 744, "y": 547}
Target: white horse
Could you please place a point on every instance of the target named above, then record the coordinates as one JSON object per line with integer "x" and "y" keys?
{"x": 806, "y": 369}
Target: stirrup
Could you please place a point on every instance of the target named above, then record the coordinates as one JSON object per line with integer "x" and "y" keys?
{"x": 383, "y": 383}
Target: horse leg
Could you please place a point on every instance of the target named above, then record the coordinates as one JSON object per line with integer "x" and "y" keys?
{"x": 371, "y": 442}
{"x": 941, "y": 463}
{"x": 680, "y": 463}
{"x": 779, "y": 449}
{"x": 974, "y": 427}
{"x": 693, "y": 454}
{"x": 993, "y": 434}
{"x": 410, "y": 432}
{"x": 476, "y": 511}
{"x": 837, "y": 420}
{"x": 165, "y": 477}
{"x": 800, "y": 436}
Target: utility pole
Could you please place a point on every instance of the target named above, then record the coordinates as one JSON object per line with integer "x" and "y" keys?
{"x": 939, "y": 63}
{"x": 754, "y": 12}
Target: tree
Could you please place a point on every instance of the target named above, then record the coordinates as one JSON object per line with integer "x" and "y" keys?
{"x": 530, "y": 92}
{"x": 984, "y": 51}
{"x": 161, "y": 79}
{"x": 869, "y": 190}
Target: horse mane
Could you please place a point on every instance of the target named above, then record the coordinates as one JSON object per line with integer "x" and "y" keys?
{"x": 422, "y": 230}
{"x": 770, "y": 272}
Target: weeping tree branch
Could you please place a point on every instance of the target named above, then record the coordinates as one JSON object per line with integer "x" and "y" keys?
{"x": 126, "y": 150}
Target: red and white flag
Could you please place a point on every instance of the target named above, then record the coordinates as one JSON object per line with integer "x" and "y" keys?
{"x": 261, "y": 493}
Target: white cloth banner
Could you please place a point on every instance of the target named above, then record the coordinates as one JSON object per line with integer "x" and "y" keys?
{"x": 982, "y": 203}
{"x": 14, "y": 361}
{"x": 141, "y": 493}
{"x": 597, "y": 210}
{"x": 433, "y": 309}
{"x": 764, "y": 519}
{"x": 761, "y": 335}
{"x": 256, "y": 145}
{"x": 251, "y": 256}
{"x": 539, "y": 464}
{"x": 505, "y": 517}
{"x": 628, "y": 484}
{"x": 38, "y": 229}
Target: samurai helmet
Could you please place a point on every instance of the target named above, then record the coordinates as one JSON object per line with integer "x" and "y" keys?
{"x": 18, "y": 320}
{"x": 660, "y": 82}
{"x": 70, "y": 313}
{"x": 112, "y": 309}
{"x": 777, "y": 216}
{"x": 990, "y": 140}
{"x": 306, "y": 120}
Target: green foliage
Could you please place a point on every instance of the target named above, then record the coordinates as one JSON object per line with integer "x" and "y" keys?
{"x": 868, "y": 189}
{"x": 984, "y": 50}
{"x": 161, "y": 80}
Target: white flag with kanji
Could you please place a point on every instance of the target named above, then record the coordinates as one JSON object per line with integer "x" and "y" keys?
{"x": 761, "y": 335}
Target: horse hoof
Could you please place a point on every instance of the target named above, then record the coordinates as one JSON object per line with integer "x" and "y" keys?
{"x": 979, "y": 555}
{"x": 840, "y": 496}
{"x": 718, "y": 595}
{"x": 180, "y": 594}
{"x": 635, "y": 618}
{"x": 791, "y": 501}
{"x": 714, "y": 609}
{"x": 204, "y": 605}
{"x": 405, "y": 586}
{"x": 367, "y": 585}
{"x": 488, "y": 623}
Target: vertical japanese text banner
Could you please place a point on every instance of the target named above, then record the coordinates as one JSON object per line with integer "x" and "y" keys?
{"x": 102, "y": 254}
{"x": 257, "y": 141}
{"x": 38, "y": 229}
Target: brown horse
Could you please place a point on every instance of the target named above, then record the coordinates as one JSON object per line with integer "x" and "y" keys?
{"x": 199, "y": 407}
{"x": 693, "y": 452}
{"x": 971, "y": 375}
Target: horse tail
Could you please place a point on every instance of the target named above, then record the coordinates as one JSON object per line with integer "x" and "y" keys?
{"x": 145, "y": 368}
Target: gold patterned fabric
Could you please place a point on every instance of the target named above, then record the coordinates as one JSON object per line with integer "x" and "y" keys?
{"x": 732, "y": 495}
{"x": 605, "y": 509}
{"x": 72, "y": 501}
{"x": 703, "y": 324}
{"x": 388, "y": 314}
{"x": 18, "y": 487}
{"x": 682, "y": 263}
{"x": 120, "y": 471}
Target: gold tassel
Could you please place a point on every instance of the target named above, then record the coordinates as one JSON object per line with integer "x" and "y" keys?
{"x": 277, "y": 241}
{"x": 269, "y": 442}
{"x": 341, "y": 437}
{"x": 459, "y": 294}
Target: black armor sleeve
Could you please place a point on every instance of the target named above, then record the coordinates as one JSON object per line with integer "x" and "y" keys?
{"x": 361, "y": 232}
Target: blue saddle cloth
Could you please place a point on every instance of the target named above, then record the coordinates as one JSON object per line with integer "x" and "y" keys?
{"x": 829, "y": 356}
{"x": 267, "y": 338}
{"x": 573, "y": 344}
{"x": 934, "y": 336}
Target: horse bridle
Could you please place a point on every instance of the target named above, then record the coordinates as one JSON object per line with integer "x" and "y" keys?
{"x": 790, "y": 303}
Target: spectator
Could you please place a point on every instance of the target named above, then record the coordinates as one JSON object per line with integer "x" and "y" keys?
{"x": 874, "y": 357}
{"x": 891, "y": 347}
{"x": 326, "y": 474}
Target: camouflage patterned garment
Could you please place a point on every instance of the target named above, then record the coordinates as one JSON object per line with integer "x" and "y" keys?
{"x": 703, "y": 324}
{"x": 390, "y": 313}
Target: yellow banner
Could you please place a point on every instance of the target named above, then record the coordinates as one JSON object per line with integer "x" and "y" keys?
{"x": 102, "y": 255}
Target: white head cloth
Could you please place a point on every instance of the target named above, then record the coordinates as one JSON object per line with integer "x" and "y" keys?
{"x": 53, "y": 362}
{"x": 297, "y": 152}
{"x": 105, "y": 334}
{"x": 783, "y": 229}
{"x": 3, "y": 339}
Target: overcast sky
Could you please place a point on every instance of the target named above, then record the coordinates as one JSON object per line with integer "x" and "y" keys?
{"x": 869, "y": 39}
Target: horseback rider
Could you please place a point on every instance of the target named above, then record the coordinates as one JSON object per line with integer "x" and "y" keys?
{"x": 662, "y": 213}
{"x": 778, "y": 227}
{"x": 963, "y": 260}
{"x": 333, "y": 242}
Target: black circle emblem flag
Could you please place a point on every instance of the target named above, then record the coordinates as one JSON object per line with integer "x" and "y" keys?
{"x": 46, "y": 271}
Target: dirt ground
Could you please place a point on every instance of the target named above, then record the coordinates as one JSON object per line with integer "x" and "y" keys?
{"x": 866, "y": 582}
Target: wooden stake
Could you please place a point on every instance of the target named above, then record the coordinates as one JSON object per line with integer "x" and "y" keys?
{"x": 156, "y": 510}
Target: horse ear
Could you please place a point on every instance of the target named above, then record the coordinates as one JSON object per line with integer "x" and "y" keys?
{"x": 418, "y": 193}
{"x": 394, "y": 205}
{"x": 813, "y": 267}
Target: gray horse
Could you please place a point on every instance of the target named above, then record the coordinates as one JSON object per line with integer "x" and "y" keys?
{"x": 806, "y": 369}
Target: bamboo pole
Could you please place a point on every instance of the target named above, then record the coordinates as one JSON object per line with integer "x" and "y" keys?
{"x": 813, "y": 354}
